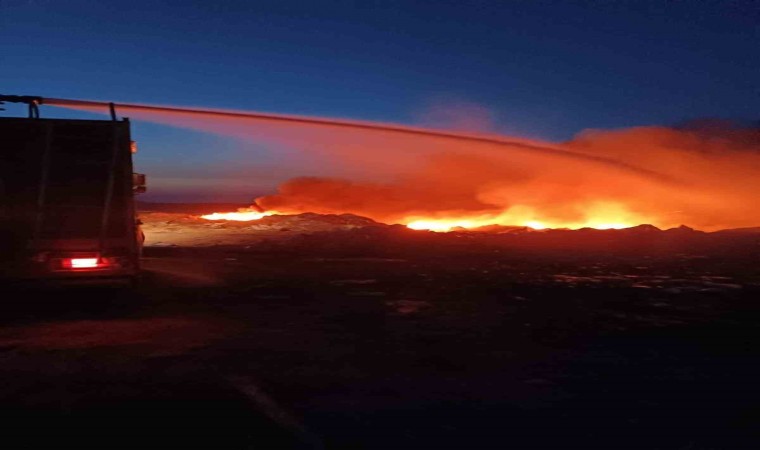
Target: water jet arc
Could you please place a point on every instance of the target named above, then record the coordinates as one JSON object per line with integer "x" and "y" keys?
{"x": 360, "y": 125}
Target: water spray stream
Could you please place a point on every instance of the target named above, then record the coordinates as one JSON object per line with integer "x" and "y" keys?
{"x": 439, "y": 179}
{"x": 359, "y": 125}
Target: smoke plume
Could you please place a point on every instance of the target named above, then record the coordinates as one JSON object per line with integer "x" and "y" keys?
{"x": 705, "y": 174}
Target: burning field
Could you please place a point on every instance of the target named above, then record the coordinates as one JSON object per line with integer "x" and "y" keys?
{"x": 254, "y": 230}
{"x": 703, "y": 173}
{"x": 337, "y": 331}
{"x": 377, "y": 225}
{"x": 423, "y": 289}
{"x": 341, "y": 330}
{"x": 201, "y": 229}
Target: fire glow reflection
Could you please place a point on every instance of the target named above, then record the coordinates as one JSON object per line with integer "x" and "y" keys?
{"x": 599, "y": 215}
{"x": 242, "y": 215}
{"x": 704, "y": 174}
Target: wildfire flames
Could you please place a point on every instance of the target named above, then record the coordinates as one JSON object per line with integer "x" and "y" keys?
{"x": 704, "y": 174}
{"x": 242, "y": 215}
{"x": 608, "y": 217}
{"x": 602, "y": 216}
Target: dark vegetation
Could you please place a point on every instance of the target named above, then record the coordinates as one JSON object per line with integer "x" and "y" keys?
{"x": 382, "y": 338}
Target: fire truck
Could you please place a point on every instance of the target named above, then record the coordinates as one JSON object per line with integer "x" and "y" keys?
{"x": 67, "y": 209}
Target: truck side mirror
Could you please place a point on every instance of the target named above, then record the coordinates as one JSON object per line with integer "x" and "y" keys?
{"x": 138, "y": 183}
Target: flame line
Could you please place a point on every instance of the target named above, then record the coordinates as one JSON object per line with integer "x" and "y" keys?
{"x": 372, "y": 126}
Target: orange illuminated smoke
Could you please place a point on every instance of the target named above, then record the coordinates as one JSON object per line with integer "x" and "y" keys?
{"x": 704, "y": 174}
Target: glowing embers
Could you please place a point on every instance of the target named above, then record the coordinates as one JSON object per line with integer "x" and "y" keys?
{"x": 535, "y": 224}
{"x": 446, "y": 225}
{"x": 599, "y": 215}
{"x": 442, "y": 225}
{"x": 242, "y": 215}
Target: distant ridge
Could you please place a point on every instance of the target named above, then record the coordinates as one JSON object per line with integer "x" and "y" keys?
{"x": 746, "y": 230}
{"x": 643, "y": 229}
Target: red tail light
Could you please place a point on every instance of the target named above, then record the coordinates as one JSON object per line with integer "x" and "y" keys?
{"x": 89, "y": 263}
{"x": 81, "y": 263}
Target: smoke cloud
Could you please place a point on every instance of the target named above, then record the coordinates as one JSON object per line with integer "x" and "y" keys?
{"x": 705, "y": 174}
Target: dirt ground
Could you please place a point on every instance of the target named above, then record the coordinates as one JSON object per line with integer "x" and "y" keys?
{"x": 389, "y": 346}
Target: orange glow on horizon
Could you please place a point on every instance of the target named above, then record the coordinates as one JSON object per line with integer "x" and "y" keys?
{"x": 242, "y": 215}
{"x": 598, "y": 215}
{"x": 704, "y": 173}
{"x": 444, "y": 225}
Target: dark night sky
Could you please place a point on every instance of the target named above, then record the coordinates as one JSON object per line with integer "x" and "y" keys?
{"x": 544, "y": 69}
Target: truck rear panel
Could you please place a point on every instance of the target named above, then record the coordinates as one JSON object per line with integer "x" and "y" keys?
{"x": 66, "y": 201}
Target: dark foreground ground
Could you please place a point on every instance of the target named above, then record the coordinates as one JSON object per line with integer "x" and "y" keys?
{"x": 225, "y": 348}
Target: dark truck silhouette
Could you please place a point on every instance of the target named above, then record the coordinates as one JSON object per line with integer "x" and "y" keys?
{"x": 67, "y": 209}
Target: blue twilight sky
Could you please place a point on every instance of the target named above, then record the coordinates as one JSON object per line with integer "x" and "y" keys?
{"x": 545, "y": 69}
